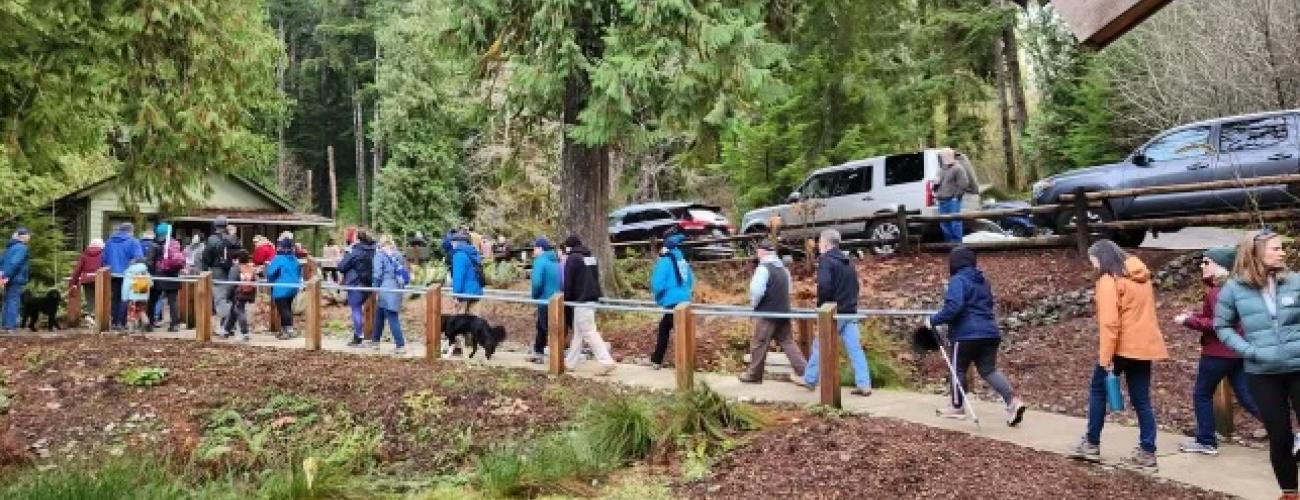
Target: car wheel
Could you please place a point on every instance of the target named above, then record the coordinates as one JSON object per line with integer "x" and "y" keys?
{"x": 1065, "y": 220}
{"x": 1130, "y": 238}
{"x": 883, "y": 230}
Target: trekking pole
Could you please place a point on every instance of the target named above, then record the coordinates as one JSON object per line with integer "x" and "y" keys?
{"x": 956, "y": 383}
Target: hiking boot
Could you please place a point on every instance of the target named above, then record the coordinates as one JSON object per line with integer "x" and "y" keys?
{"x": 1142, "y": 459}
{"x": 148, "y": 327}
{"x": 606, "y": 369}
{"x": 861, "y": 391}
{"x": 1085, "y": 451}
{"x": 1016, "y": 412}
{"x": 1195, "y": 447}
{"x": 951, "y": 412}
{"x": 749, "y": 379}
{"x": 355, "y": 342}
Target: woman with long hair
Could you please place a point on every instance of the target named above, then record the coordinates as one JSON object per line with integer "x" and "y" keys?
{"x": 1263, "y": 300}
{"x": 1129, "y": 340}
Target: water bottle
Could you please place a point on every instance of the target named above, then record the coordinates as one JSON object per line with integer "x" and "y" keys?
{"x": 1114, "y": 395}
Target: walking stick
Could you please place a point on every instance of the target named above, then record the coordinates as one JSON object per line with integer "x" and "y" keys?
{"x": 956, "y": 383}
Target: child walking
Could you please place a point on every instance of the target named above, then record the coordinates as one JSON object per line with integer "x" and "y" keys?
{"x": 136, "y": 283}
{"x": 973, "y": 331}
{"x": 245, "y": 293}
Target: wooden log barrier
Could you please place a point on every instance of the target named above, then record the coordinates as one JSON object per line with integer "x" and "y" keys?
{"x": 433, "y": 323}
{"x": 555, "y": 334}
{"x": 203, "y": 307}
{"x": 684, "y": 346}
{"x": 314, "y": 299}
{"x": 103, "y": 299}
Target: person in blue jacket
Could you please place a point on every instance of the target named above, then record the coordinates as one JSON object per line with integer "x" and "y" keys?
{"x": 973, "y": 331}
{"x": 466, "y": 263}
{"x": 15, "y": 270}
{"x": 671, "y": 282}
{"x": 121, "y": 249}
{"x": 286, "y": 273}
{"x": 545, "y": 283}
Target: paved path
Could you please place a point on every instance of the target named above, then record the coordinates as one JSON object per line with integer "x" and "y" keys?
{"x": 1238, "y": 471}
{"x": 1195, "y": 238}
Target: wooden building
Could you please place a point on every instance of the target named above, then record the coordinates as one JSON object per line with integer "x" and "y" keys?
{"x": 1097, "y": 23}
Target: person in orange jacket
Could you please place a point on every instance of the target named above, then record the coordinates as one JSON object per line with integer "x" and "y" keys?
{"x": 1129, "y": 341}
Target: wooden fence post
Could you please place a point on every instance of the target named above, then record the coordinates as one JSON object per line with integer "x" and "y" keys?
{"x": 313, "y": 315}
{"x": 203, "y": 307}
{"x": 809, "y": 254}
{"x": 684, "y": 346}
{"x": 103, "y": 299}
{"x": 828, "y": 345}
{"x": 1223, "y": 409}
{"x": 433, "y": 323}
{"x": 368, "y": 311}
{"x": 1081, "y": 231}
{"x": 184, "y": 304}
{"x": 273, "y": 313}
{"x": 555, "y": 333}
{"x": 73, "y": 317}
{"x": 803, "y": 335}
{"x": 903, "y": 234}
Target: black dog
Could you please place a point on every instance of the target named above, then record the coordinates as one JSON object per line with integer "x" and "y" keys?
{"x": 34, "y": 307}
{"x": 476, "y": 329}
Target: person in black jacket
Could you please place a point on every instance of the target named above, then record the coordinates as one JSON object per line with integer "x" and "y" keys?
{"x": 837, "y": 282}
{"x": 357, "y": 266}
{"x": 582, "y": 287}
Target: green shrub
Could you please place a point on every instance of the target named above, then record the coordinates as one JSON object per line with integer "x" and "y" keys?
{"x": 142, "y": 377}
{"x": 705, "y": 414}
{"x": 622, "y": 427}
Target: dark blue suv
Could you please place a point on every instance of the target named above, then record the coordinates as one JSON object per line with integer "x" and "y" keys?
{"x": 1238, "y": 147}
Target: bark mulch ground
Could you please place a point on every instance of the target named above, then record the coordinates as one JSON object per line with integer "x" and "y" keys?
{"x": 66, "y": 399}
{"x": 858, "y": 457}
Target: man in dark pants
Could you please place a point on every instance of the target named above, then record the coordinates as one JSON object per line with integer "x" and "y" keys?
{"x": 672, "y": 283}
{"x": 121, "y": 249}
{"x": 545, "y": 283}
{"x": 837, "y": 283}
{"x": 769, "y": 291}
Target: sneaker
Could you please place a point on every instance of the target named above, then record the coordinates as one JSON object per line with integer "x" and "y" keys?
{"x": 749, "y": 379}
{"x": 400, "y": 351}
{"x": 950, "y": 412}
{"x": 656, "y": 366}
{"x": 245, "y": 338}
{"x": 355, "y": 342}
{"x": 1142, "y": 459}
{"x": 1195, "y": 447}
{"x": 1016, "y": 412}
{"x": 606, "y": 369}
{"x": 799, "y": 381}
{"x": 537, "y": 359}
{"x": 861, "y": 391}
{"x": 1085, "y": 451}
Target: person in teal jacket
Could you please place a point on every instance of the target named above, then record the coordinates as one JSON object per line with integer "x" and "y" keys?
{"x": 546, "y": 282}
{"x": 286, "y": 273}
{"x": 671, "y": 282}
{"x": 1263, "y": 300}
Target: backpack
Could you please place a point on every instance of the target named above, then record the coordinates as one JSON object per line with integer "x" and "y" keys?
{"x": 246, "y": 287}
{"x": 364, "y": 265}
{"x": 173, "y": 259}
{"x": 140, "y": 283}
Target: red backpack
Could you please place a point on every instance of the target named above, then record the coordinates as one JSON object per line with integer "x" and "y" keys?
{"x": 173, "y": 259}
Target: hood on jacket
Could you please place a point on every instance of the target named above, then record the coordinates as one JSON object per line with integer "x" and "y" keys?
{"x": 120, "y": 237}
{"x": 469, "y": 251}
{"x": 960, "y": 258}
{"x": 549, "y": 255}
{"x": 836, "y": 254}
{"x": 1137, "y": 271}
{"x": 580, "y": 250}
{"x": 94, "y": 251}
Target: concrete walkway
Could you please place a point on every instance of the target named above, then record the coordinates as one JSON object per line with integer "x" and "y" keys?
{"x": 1237, "y": 471}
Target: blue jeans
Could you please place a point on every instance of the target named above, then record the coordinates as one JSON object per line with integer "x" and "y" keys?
{"x": 394, "y": 324}
{"x": 1209, "y": 372}
{"x": 13, "y": 302}
{"x": 1137, "y": 376}
{"x": 951, "y": 228}
{"x": 356, "y": 302}
{"x": 848, "y": 330}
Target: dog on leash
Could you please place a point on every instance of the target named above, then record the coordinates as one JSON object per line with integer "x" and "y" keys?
{"x": 33, "y": 307}
{"x": 476, "y": 330}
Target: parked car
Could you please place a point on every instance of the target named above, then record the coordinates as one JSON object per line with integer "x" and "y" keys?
{"x": 651, "y": 220}
{"x": 863, "y": 188}
{"x": 1236, "y": 147}
{"x": 1020, "y": 226}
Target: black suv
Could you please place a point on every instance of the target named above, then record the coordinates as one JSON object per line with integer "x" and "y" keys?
{"x": 651, "y": 220}
{"x": 1237, "y": 147}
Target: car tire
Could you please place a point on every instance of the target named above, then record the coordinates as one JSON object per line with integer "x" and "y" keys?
{"x": 1129, "y": 238}
{"x": 881, "y": 230}
{"x": 1065, "y": 220}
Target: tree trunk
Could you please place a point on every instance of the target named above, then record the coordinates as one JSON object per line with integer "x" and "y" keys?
{"x": 281, "y": 69}
{"x": 1004, "y": 112}
{"x": 1015, "y": 81}
{"x": 334, "y": 186}
{"x": 359, "y": 146}
{"x": 585, "y": 169}
{"x": 376, "y": 146}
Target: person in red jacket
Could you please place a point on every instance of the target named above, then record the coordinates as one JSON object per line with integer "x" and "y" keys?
{"x": 83, "y": 275}
{"x": 263, "y": 251}
{"x": 1217, "y": 360}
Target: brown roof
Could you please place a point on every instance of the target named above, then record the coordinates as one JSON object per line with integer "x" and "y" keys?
{"x": 256, "y": 217}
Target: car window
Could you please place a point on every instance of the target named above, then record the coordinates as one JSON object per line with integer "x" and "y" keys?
{"x": 851, "y": 181}
{"x": 818, "y": 186}
{"x": 902, "y": 169}
{"x": 1180, "y": 144}
{"x": 1253, "y": 134}
{"x": 701, "y": 214}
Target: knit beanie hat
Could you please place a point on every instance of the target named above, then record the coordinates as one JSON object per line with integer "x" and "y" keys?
{"x": 1223, "y": 256}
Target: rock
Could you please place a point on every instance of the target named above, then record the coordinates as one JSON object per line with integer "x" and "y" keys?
{"x": 53, "y": 405}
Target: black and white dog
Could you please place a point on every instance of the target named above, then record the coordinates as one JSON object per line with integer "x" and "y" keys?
{"x": 475, "y": 329}
{"x": 47, "y": 305}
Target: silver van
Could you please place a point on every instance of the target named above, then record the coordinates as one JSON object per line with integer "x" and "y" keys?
{"x": 861, "y": 188}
